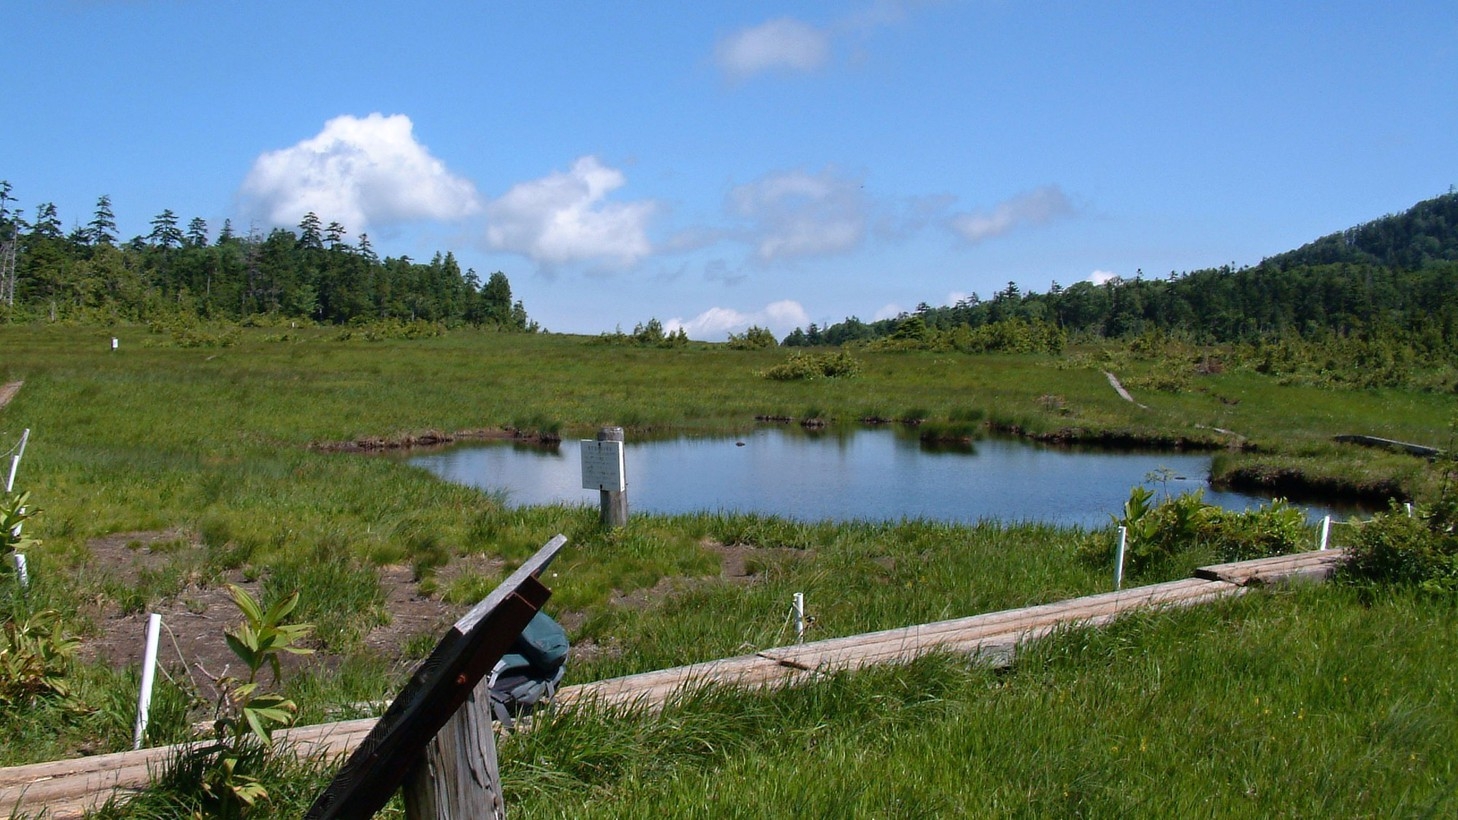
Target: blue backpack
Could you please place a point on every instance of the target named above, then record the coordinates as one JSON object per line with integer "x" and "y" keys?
{"x": 529, "y": 672}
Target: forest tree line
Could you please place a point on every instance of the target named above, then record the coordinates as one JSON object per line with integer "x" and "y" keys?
{"x": 314, "y": 273}
{"x": 1395, "y": 278}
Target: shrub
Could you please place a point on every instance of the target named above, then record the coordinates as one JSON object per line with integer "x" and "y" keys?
{"x": 650, "y": 334}
{"x": 755, "y": 338}
{"x": 801, "y": 365}
{"x": 1394, "y": 548}
{"x": 1184, "y": 527}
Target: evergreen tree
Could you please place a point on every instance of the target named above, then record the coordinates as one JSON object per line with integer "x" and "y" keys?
{"x": 165, "y": 233}
{"x": 102, "y": 228}
{"x": 197, "y": 232}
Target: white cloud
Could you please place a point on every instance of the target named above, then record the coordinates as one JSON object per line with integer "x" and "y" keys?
{"x": 782, "y": 44}
{"x": 888, "y": 311}
{"x": 715, "y": 324}
{"x": 565, "y": 217}
{"x": 796, "y": 214}
{"x": 1099, "y": 277}
{"x": 1036, "y": 207}
{"x": 360, "y": 172}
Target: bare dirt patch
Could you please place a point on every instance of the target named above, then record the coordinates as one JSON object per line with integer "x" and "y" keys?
{"x": 412, "y": 615}
{"x": 196, "y": 609}
{"x": 745, "y": 563}
{"x": 8, "y": 391}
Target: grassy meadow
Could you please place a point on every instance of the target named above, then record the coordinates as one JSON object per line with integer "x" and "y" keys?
{"x": 1293, "y": 702}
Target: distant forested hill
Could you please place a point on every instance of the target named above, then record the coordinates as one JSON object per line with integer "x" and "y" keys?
{"x": 183, "y": 271}
{"x": 1426, "y": 233}
{"x": 1395, "y": 278}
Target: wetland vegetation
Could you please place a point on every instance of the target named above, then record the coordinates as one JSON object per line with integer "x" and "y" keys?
{"x": 161, "y": 470}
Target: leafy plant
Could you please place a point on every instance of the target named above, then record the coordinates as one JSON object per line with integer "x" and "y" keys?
{"x": 35, "y": 657}
{"x": 246, "y": 716}
{"x": 13, "y": 513}
{"x": 1185, "y": 528}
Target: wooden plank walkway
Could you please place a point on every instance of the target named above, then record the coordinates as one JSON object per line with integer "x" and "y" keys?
{"x": 67, "y": 788}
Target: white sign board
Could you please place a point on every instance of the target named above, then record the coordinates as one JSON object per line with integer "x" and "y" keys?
{"x": 602, "y": 466}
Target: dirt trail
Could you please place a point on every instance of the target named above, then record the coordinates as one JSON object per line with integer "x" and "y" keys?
{"x": 8, "y": 391}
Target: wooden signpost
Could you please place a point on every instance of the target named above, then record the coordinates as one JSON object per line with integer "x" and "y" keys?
{"x": 439, "y": 688}
{"x": 603, "y": 470}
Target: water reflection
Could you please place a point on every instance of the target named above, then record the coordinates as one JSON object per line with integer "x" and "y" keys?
{"x": 874, "y": 474}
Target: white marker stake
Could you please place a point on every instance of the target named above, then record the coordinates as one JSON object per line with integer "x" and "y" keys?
{"x": 149, "y": 668}
{"x": 21, "y": 572}
{"x": 799, "y": 617}
{"x": 113, "y": 343}
{"x": 1408, "y": 505}
{"x": 15, "y": 462}
{"x": 1119, "y": 560}
{"x": 1325, "y": 531}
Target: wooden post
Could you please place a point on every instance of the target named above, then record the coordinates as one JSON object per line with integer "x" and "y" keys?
{"x": 458, "y": 778}
{"x": 613, "y": 504}
{"x": 440, "y": 686}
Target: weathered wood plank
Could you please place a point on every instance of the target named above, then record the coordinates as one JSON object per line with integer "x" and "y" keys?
{"x": 1390, "y": 444}
{"x": 1305, "y": 565}
{"x": 993, "y": 628}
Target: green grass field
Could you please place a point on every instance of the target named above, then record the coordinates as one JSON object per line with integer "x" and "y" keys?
{"x": 1164, "y": 715}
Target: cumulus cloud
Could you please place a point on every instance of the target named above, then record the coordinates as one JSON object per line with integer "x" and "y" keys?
{"x": 784, "y": 44}
{"x": 796, "y": 214}
{"x": 360, "y": 172}
{"x": 715, "y": 324}
{"x": 565, "y": 217}
{"x": 888, "y": 311}
{"x": 1036, "y": 207}
{"x": 1100, "y": 277}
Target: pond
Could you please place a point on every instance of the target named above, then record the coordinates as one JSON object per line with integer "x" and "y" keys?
{"x": 842, "y": 475}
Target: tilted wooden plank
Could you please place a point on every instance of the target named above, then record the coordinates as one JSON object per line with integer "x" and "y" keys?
{"x": 436, "y": 690}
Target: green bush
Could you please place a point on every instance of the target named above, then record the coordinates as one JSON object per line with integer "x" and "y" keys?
{"x": 1394, "y": 548}
{"x": 800, "y": 366}
{"x": 1184, "y": 529}
{"x": 755, "y": 338}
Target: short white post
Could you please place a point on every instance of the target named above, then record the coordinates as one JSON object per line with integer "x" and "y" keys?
{"x": 149, "y": 668}
{"x": 1119, "y": 559}
{"x": 1408, "y": 506}
{"x": 113, "y": 343}
{"x": 21, "y": 572}
{"x": 15, "y": 461}
{"x": 799, "y": 606}
{"x": 1325, "y": 531}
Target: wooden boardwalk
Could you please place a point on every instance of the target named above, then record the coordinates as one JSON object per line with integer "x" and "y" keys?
{"x": 67, "y": 788}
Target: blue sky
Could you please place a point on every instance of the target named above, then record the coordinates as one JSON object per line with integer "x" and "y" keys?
{"x": 716, "y": 165}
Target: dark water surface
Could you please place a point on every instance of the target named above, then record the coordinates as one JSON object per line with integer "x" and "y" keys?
{"x": 874, "y": 474}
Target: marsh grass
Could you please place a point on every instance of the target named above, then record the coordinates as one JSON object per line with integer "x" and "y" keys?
{"x": 219, "y": 442}
{"x": 1297, "y": 702}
